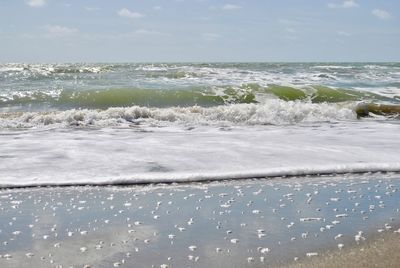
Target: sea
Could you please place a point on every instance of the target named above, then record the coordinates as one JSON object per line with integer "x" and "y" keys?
{"x": 129, "y": 123}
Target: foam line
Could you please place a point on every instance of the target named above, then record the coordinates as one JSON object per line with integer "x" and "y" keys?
{"x": 356, "y": 168}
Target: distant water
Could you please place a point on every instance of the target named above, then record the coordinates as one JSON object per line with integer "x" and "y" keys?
{"x": 111, "y": 123}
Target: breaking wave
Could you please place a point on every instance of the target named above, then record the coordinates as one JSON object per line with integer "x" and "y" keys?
{"x": 274, "y": 112}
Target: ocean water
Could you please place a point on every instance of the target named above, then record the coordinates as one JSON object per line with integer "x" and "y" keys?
{"x": 68, "y": 124}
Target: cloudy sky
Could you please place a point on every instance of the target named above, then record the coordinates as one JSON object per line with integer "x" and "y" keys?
{"x": 199, "y": 30}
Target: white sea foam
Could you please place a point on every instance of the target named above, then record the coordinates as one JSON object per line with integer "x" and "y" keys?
{"x": 390, "y": 92}
{"x": 36, "y": 70}
{"x": 11, "y": 69}
{"x": 210, "y": 74}
{"x": 375, "y": 67}
{"x": 333, "y": 67}
{"x": 156, "y": 68}
{"x": 273, "y": 111}
{"x": 123, "y": 156}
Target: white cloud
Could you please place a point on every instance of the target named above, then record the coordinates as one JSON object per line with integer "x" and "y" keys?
{"x": 291, "y": 37}
{"x": 157, "y": 7}
{"x": 138, "y": 34}
{"x": 56, "y": 31}
{"x": 129, "y": 14}
{"x": 27, "y": 36}
{"x": 289, "y": 22}
{"x": 205, "y": 18}
{"x": 343, "y": 33}
{"x": 149, "y": 32}
{"x": 381, "y": 14}
{"x": 210, "y": 36}
{"x": 349, "y": 4}
{"x": 290, "y": 30}
{"x": 344, "y": 4}
{"x": 144, "y": 31}
{"x": 231, "y": 7}
{"x": 35, "y": 3}
{"x": 91, "y": 9}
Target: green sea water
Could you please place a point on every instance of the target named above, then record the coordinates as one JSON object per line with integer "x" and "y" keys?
{"x": 55, "y": 88}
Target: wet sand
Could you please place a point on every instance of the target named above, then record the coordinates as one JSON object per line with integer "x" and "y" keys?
{"x": 246, "y": 223}
{"x": 380, "y": 251}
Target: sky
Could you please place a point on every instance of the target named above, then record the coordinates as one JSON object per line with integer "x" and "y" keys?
{"x": 199, "y": 30}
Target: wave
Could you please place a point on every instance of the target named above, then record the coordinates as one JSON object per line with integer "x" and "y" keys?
{"x": 345, "y": 67}
{"x": 116, "y": 97}
{"x": 235, "y": 73}
{"x": 162, "y": 177}
{"x": 48, "y": 69}
{"x": 186, "y": 97}
{"x": 271, "y": 112}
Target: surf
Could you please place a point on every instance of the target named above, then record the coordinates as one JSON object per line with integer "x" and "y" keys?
{"x": 99, "y": 124}
{"x": 108, "y": 156}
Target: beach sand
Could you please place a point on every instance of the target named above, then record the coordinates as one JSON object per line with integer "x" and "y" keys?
{"x": 244, "y": 223}
{"x": 380, "y": 251}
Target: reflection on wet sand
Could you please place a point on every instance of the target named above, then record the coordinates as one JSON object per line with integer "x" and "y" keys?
{"x": 232, "y": 224}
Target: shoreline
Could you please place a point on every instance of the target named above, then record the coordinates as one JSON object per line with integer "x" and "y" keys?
{"x": 388, "y": 169}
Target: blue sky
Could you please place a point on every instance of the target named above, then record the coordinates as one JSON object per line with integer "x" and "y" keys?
{"x": 199, "y": 30}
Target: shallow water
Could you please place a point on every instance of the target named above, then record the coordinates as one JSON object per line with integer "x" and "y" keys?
{"x": 237, "y": 224}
